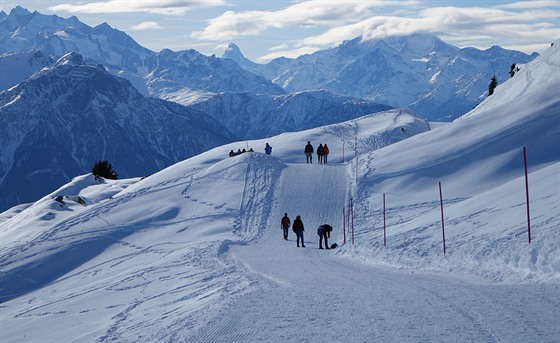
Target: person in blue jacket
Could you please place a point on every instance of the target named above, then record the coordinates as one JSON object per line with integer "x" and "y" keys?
{"x": 298, "y": 229}
{"x": 267, "y": 149}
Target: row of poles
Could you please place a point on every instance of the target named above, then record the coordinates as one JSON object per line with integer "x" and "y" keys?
{"x": 349, "y": 217}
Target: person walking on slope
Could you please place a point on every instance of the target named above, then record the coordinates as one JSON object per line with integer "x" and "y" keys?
{"x": 323, "y": 231}
{"x": 320, "y": 153}
{"x": 285, "y": 224}
{"x": 325, "y": 153}
{"x": 267, "y": 149}
{"x": 297, "y": 227}
{"x": 309, "y": 152}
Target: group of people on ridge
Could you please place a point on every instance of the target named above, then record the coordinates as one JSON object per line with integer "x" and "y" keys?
{"x": 322, "y": 153}
{"x": 324, "y": 231}
{"x": 239, "y": 152}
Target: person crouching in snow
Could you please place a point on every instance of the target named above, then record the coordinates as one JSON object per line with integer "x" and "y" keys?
{"x": 324, "y": 231}
{"x": 297, "y": 227}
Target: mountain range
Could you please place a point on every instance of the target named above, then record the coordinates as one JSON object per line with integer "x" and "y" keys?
{"x": 420, "y": 71}
{"x": 211, "y": 100}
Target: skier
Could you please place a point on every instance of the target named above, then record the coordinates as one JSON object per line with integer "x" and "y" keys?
{"x": 267, "y": 149}
{"x": 298, "y": 229}
{"x": 325, "y": 153}
{"x": 309, "y": 152}
{"x": 320, "y": 153}
{"x": 285, "y": 224}
{"x": 324, "y": 231}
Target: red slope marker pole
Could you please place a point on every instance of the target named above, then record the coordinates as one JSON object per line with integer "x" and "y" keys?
{"x": 442, "y": 221}
{"x": 344, "y": 223}
{"x": 527, "y": 193}
{"x": 384, "y": 223}
{"x": 352, "y": 216}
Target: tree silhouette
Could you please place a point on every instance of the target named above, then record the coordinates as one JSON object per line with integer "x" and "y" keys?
{"x": 103, "y": 169}
{"x": 493, "y": 85}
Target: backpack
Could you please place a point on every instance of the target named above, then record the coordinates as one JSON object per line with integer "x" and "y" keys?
{"x": 285, "y": 221}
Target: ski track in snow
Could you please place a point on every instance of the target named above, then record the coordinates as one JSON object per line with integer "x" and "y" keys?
{"x": 299, "y": 294}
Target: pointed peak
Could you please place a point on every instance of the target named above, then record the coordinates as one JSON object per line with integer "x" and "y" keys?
{"x": 18, "y": 10}
{"x": 233, "y": 53}
{"x": 103, "y": 27}
{"x": 232, "y": 46}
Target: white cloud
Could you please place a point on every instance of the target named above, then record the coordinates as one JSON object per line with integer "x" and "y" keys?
{"x": 531, "y": 4}
{"x": 147, "y": 25}
{"x": 471, "y": 26}
{"x": 168, "y": 7}
{"x": 302, "y": 14}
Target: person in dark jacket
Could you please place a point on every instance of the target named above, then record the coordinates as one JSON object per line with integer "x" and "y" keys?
{"x": 324, "y": 231}
{"x": 309, "y": 152}
{"x": 267, "y": 149}
{"x": 320, "y": 153}
{"x": 298, "y": 229}
{"x": 285, "y": 224}
{"x": 325, "y": 153}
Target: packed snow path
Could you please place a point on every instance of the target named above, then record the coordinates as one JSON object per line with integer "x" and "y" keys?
{"x": 312, "y": 295}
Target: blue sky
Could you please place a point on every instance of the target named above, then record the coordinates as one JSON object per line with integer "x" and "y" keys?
{"x": 267, "y": 29}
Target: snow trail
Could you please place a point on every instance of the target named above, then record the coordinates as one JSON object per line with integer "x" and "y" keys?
{"x": 312, "y": 295}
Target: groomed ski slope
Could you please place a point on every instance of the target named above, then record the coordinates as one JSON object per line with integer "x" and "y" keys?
{"x": 312, "y": 295}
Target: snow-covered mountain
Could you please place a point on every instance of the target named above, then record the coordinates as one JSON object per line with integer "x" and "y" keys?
{"x": 63, "y": 119}
{"x": 419, "y": 71}
{"x": 251, "y": 116}
{"x": 183, "y": 254}
{"x": 165, "y": 74}
{"x": 171, "y": 73}
{"x": 23, "y": 31}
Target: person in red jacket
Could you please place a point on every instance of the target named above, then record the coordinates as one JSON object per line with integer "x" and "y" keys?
{"x": 285, "y": 224}
{"x": 325, "y": 153}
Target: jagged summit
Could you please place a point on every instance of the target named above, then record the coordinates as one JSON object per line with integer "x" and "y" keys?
{"x": 18, "y": 10}
{"x": 234, "y": 53}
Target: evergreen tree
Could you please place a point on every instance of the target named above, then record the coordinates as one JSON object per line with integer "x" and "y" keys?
{"x": 493, "y": 85}
{"x": 513, "y": 69}
{"x": 103, "y": 169}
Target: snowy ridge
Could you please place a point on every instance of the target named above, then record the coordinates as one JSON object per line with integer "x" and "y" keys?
{"x": 479, "y": 160}
{"x": 251, "y": 116}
